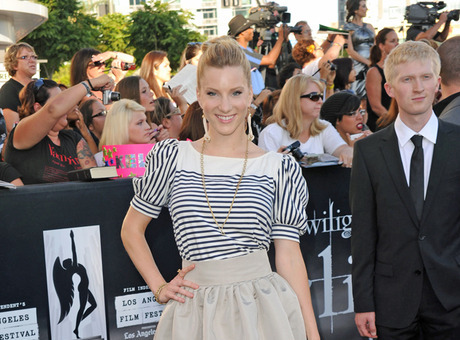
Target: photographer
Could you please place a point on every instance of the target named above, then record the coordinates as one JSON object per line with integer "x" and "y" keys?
{"x": 418, "y": 32}
{"x": 240, "y": 29}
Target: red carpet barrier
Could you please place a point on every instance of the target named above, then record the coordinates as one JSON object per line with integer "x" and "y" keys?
{"x": 64, "y": 270}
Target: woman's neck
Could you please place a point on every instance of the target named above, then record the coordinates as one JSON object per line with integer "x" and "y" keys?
{"x": 24, "y": 80}
{"x": 54, "y": 136}
{"x": 357, "y": 20}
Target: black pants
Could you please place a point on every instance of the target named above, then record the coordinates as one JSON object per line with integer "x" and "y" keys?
{"x": 432, "y": 322}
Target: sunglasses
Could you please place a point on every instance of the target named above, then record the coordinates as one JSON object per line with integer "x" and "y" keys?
{"x": 100, "y": 114}
{"x": 97, "y": 64}
{"x": 173, "y": 113}
{"x": 362, "y": 112}
{"x": 314, "y": 96}
{"x": 194, "y": 43}
{"x": 38, "y": 84}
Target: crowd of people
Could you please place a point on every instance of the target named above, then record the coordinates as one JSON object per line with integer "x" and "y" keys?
{"x": 232, "y": 143}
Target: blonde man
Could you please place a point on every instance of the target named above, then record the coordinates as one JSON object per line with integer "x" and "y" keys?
{"x": 404, "y": 198}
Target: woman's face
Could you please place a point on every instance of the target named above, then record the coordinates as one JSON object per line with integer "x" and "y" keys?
{"x": 97, "y": 118}
{"x": 225, "y": 96}
{"x": 391, "y": 41}
{"x": 28, "y": 66}
{"x": 352, "y": 123}
{"x": 139, "y": 130}
{"x": 310, "y": 109}
{"x": 146, "y": 96}
{"x": 362, "y": 10}
{"x": 174, "y": 121}
{"x": 95, "y": 70}
{"x": 195, "y": 59}
{"x": 163, "y": 71}
{"x": 352, "y": 75}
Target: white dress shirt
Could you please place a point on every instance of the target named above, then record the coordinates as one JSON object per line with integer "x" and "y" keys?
{"x": 406, "y": 147}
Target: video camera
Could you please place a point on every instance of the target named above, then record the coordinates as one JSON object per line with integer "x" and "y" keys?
{"x": 426, "y": 13}
{"x": 267, "y": 16}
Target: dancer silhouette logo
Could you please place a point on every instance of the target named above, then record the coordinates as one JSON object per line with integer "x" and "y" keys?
{"x": 75, "y": 283}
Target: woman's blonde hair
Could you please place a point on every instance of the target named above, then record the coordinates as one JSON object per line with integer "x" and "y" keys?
{"x": 117, "y": 122}
{"x": 287, "y": 112}
{"x": 221, "y": 52}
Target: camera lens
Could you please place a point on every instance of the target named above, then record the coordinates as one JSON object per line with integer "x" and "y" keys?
{"x": 115, "y": 96}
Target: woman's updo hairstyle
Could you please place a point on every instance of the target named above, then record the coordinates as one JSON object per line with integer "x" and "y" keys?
{"x": 221, "y": 52}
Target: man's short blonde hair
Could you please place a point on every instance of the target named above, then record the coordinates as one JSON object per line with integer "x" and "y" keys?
{"x": 408, "y": 52}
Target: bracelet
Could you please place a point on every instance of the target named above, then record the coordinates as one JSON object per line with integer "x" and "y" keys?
{"x": 88, "y": 91}
{"x": 324, "y": 81}
{"x": 253, "y": 106}
{"x": 329, "y": 41}
{"x": 329, "y": 87}
{"x": 90, "y": 85}
{"x": 157, "y": 294}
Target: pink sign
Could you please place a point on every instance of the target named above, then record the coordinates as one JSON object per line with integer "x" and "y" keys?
{"x": 128, "y": 158}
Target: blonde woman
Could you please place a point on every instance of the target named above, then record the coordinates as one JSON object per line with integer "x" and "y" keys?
{"x": 228, "y": 200}
{"x": 296, "y": 117}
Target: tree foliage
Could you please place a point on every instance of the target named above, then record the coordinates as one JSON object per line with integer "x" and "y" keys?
{"x": 156, "y": 27}
{"x": 67, "y": 30}
{"x": 114, "y": 33}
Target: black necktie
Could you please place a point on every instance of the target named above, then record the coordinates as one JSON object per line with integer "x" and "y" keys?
{"x": 416, "y": 175}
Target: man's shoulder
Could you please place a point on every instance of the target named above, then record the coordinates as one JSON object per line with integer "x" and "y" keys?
{"x": 451, "y": 112}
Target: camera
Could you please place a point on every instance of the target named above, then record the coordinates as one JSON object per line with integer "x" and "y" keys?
{"x": 127, "y": 66}
{"x": 110, "y": 96}
{"x": 295, "y": 151}
{"x": 426, "y": 13}
{"x": 267, "y": 16}
{"x": 333, "y": 67}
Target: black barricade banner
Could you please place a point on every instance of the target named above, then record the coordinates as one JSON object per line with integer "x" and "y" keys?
{"x": 56, "y": 231}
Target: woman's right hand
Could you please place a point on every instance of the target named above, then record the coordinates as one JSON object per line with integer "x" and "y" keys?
{"x": 176, "y": 286}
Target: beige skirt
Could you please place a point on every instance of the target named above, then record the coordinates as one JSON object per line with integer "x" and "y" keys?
{"x": 238, "y": 298}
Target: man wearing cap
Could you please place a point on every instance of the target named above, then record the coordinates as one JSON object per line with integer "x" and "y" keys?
{"x": 240, "y": 29}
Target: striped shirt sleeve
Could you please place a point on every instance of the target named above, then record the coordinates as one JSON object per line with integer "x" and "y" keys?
{"x": 151, "y": 192}
{"x": 291, "y": 198}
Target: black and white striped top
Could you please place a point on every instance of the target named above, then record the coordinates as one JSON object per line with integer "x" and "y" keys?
{"x": 270, "y": 203}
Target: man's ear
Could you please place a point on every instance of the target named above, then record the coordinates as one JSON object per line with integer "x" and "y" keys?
{"x": 389, "y": 89}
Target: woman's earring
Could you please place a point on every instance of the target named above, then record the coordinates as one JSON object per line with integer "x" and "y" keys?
{"x": 207, "y": 137}
{"x": 250, "y": 134}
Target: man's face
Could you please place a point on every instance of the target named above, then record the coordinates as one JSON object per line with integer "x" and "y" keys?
{"x": 247, "y": 35}
{"x": 414, "y": 88}
{"x": 306, "y": 33}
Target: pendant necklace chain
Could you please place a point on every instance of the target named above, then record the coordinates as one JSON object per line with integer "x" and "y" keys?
{"x": 221, "y": 227}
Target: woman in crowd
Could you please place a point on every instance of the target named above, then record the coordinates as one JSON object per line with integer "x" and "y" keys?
{"x": 312, "y": 57}
{"x": 167, "y": 115}
{"x": 192, "y": 123}
{"x": 296, "y": 117}
{"x": 89, "y": 63}
{"x": 191, "y": 54}
{"x": 94, "y": 114}
{"x": 345, "y": 74}
{"x": 156, "y": 71}
{"x": 228, "y": 199}
{"x": 360, "y": 41}
{"x": 126, "y": 123}
{"x": 137, "y": 89}
{"x": 39, "y": 147}
{"x": 378, "y": 101}
{"x": 343, "y": 111}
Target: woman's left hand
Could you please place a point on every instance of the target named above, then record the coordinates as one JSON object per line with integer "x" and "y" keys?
{"x": 176, "y": 286}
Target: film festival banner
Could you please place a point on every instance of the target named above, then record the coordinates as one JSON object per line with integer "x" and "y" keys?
{"x": 65, "y": 271}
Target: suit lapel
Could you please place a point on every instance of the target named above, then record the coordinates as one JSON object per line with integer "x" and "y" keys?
{"x": 440, "y": 157}
{"x": 390, "y": 151}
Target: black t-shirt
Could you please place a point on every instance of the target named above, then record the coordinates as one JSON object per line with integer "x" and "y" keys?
{"x": 45, "y": 162}
{"x": 415, "y": 30}
{"x": 9, "y": 95}
{"x": 8, "y": 173}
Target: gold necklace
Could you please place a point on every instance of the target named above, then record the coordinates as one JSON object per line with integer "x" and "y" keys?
{"x": 221, "y": 227}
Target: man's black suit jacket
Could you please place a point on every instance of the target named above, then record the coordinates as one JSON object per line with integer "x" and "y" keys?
{"x": 391, "y": 249}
